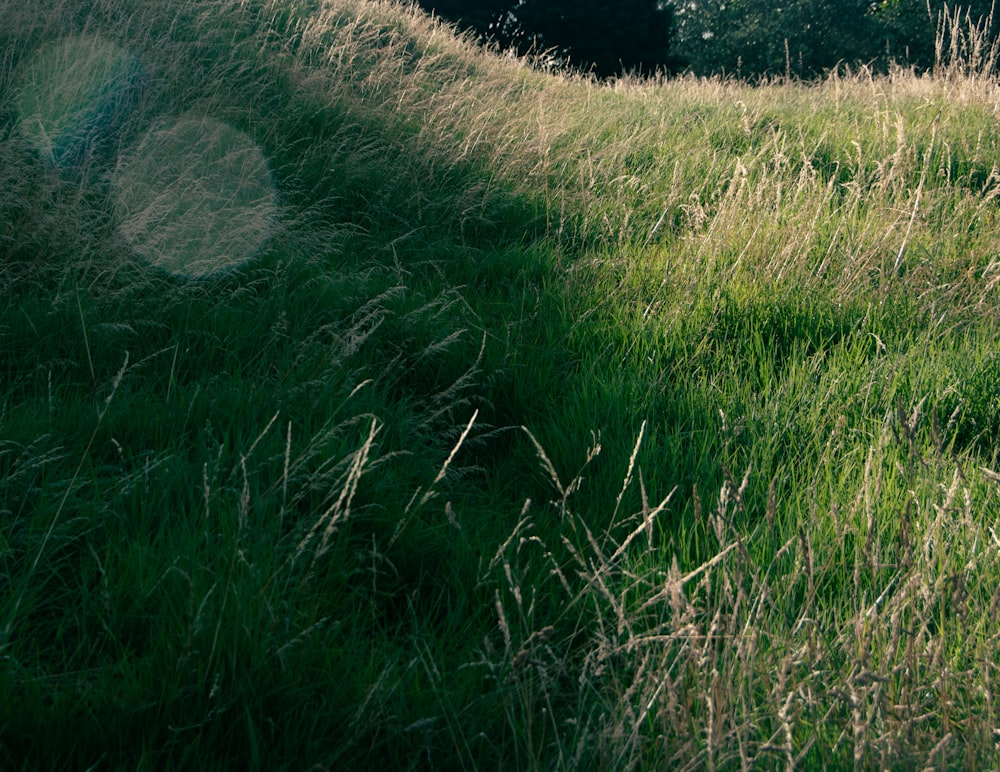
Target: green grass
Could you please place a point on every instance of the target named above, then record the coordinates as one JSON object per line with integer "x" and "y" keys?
{"x": 557, "y": 425}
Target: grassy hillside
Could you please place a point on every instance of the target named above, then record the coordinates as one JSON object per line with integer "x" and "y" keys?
{"x": 367, "y": 399}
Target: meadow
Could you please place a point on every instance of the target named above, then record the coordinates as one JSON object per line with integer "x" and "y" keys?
{"x": 526, "y": 422}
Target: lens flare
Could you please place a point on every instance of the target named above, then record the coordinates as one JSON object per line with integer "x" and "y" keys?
{"x": 72, "y": 95}
{"x": 195, "y": 196}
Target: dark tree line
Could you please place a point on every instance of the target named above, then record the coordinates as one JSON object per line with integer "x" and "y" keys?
{"x": 747, "y": 38}
{"x": 606, "y": 38}
{"x": 805, "y": 38}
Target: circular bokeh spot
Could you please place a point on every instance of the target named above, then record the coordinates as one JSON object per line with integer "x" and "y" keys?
{"x": 195, "y": 196}
{"x": 72, "y": 95}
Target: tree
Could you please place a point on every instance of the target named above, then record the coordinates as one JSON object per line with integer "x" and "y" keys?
{"x": 806, "y": 38}
{"x": 478, "y": 16}
{"x": 802, "y": 38}
{"x": 909, "y": 26}
{"x": 606, "y": 37}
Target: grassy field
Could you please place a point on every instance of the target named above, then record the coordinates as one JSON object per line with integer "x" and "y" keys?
{"x": 555, "y": 425}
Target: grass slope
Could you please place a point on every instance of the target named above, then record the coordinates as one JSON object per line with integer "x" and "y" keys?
{"x": 558, "y": 425}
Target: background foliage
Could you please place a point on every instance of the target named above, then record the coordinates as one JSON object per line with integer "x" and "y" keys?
{"x": 745, "y": 38}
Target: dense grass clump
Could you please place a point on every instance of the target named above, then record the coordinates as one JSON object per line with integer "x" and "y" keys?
{"x": 553, "y": 424}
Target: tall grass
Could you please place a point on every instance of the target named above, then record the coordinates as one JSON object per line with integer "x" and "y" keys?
{"x": 558, "y": 424}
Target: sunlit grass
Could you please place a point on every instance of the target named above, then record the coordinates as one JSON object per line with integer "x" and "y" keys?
{"x": 555, "y": 425}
